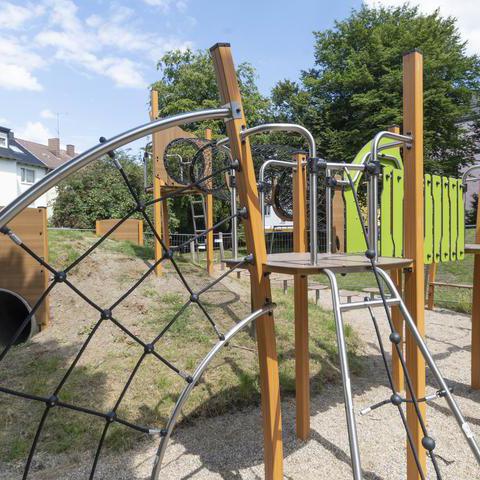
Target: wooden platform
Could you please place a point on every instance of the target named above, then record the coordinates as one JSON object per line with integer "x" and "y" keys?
{"x": 472, "y": 248}
{"x": 299, "y": 263}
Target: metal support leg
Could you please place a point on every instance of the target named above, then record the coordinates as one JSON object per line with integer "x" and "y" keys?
{"x": 465, "y": 427}
{"x": 347, "y": 389}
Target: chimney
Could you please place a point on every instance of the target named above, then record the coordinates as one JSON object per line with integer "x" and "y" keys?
{"x": 70, "y": 150}
{"x": 54, "y": 146}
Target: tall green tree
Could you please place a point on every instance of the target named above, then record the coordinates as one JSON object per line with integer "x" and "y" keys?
{"x": 188, "y": 83}
{"x": 355, "y": 87}
{"x": 97, "y": 192}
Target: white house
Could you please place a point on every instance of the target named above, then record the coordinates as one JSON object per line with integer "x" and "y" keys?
{"x": 23, "y": 163}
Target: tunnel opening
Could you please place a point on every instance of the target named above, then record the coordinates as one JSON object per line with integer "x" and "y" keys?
{"x": 13, "y": 311}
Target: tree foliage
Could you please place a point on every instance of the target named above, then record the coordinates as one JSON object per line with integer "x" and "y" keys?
{"x": 355, "y": 87}
{"x": 97, "y": 192}
{"x": 188, "y": 83}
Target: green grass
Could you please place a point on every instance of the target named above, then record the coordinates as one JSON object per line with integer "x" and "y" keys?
{"x": 231, "y": 382}
{"x": 458, "y": 299}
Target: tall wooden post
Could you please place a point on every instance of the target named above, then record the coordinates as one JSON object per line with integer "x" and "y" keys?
{"x": 300, "y": 288}
{"x": 414, "y": 278}
{"x": 255, "y": 239}
{"x": 397, "y": 319}
{"x": 157, "y": 183}
{"x": 209, "y": 217}
{"x": 475, "y": 369}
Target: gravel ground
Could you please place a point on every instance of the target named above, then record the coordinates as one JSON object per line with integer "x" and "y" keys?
{"x": 230, "y": 447}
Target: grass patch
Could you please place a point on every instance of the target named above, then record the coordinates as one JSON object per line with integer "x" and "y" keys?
{"x": 231, "y": 382}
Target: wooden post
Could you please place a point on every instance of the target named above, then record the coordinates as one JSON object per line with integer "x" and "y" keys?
{"x": 432, "y": 272}
{"x": 414, "y": 278}
{"x": 300, "y": 295}
{"x": 157, "y": 207}
{"x": 209, "y": 216}
{"x": 255, "y": 240}
{"x": 140, "y": 233}
{"x": 475, "y": 369}
{"x": 397, "y": 319}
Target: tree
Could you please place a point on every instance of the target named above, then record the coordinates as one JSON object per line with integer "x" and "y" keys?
{"x": 471, "y": 214}
{"x": 97, "y": 192}
{"x": 188, "y": 83}
{"x": 355, "y": 87}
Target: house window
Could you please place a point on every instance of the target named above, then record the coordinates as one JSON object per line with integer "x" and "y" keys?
{"x": 28, "y": 175}
{"x": 3, "y": 140}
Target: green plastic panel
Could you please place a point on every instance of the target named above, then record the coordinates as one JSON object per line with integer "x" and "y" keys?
{"x": 397, "y": 212}
{"x": 437, "y": 217}
{"x": 386, "y": 239}
{"x": 453, "y": 196}
{"x": 354, "y": 241}
{"x": 428, "y": 218}
{"x": 461, "y": 222}
{"x": 445, "y": 211}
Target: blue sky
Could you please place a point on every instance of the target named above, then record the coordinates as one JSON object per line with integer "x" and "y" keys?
{"x": 92, "y": 61}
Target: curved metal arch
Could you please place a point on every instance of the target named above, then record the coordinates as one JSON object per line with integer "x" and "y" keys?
{"x": 60, "y": 173}
{"x": 183, "y": 397}
{"x": 468, "y": 172}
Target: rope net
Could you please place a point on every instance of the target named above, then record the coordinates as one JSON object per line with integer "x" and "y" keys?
{"x": 150, "y": 348}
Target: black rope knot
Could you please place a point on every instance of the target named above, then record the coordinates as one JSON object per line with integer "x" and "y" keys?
{"x": 106, "y": 314}
{"x": 60, "y": 277}
{"x": 52, "y": 401}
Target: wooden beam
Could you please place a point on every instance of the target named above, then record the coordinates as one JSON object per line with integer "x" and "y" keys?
{"x": 255, "y": 240}
{"x": 432, "y": 272}
{"x": 209, "y": 214}
{"x": 414, "y": 278}
{"x": 475, "y": 369}
{"x": 157, "y": 207}
{"x": 300, "y": 288}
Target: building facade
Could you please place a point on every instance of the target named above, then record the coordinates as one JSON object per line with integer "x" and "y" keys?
{"x": 23, "y": 163}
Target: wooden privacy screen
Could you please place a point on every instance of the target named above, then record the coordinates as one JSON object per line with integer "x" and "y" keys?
{"x": 20, "y": 273}
{"x": 130, "y": 230}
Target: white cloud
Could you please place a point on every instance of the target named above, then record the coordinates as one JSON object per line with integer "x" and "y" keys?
{"x": 166, "y": 5}
{"x": 103, "y": 44}
{"x": 113, "y": 45}
{"x": 17, "y": 64}
{"x": 16, "y": 77}
{"x": 34, "y": 131}
{"x": 467, "y": 13}
{"x": 47, "y": 114}
{"x": 15, "y": 16}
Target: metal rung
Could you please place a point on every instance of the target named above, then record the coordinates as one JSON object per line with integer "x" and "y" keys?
{"x": 368, "y": 303}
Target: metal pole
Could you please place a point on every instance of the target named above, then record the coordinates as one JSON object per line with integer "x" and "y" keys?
{"x": 347, "y": 388}
{"x": 328, "y": 207}
{"x": 233, "y": 193}
{"x": 465, "y": 427}
{"x": 222, "y": 251}
{"x": 261, "y": 177}
{"x": 372, "y": 213}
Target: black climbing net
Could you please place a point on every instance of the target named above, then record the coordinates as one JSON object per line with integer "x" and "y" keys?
{"x": 107, "y": 313}
{"x": 395, "y": 338}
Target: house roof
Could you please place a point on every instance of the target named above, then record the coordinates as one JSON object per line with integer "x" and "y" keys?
{"x": 19, "y": 153}
{"x": 42, "y": 152}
